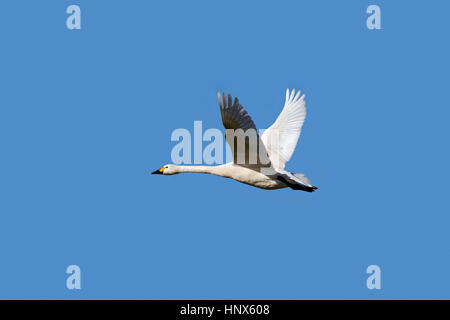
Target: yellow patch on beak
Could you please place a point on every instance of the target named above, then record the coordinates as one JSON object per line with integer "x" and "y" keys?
{"x": 162, "y": 169}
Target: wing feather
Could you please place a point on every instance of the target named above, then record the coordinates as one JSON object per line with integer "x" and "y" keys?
{"x": 281, "y": 138}
{"x": 234, "y": 117}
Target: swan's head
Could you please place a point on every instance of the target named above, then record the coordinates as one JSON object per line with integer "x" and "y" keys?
{"x": 167, "y": 169}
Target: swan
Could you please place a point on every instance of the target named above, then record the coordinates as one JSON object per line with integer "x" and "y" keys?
{"x": 277, "y": 143}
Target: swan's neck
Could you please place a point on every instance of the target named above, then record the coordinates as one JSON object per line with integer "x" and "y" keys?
{"x": 198, "y": 169}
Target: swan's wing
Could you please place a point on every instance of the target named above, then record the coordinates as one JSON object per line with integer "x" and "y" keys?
{"x": 281, "y": 137}
{"x": 234, "y": 116}
{"x": 249, "y": 151}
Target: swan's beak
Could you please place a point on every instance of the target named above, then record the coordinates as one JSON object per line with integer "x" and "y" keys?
{"x": 159, "y": 171}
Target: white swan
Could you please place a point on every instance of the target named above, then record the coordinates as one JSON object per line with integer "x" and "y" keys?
{"x": 277, "y": 143}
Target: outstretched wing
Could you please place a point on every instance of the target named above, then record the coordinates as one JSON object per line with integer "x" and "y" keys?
{"x": 234, "y": 116}
{"x": 249, "y": 151}
{"x": 281, "y": 137}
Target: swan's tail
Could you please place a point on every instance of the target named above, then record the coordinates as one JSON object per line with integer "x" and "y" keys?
{"x": 297, "y": 181}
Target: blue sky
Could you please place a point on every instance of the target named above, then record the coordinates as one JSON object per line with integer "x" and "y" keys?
{"x": 86, "y": 115}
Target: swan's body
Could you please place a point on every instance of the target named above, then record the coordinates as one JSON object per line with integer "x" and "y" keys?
{"x": 277, "y": 143}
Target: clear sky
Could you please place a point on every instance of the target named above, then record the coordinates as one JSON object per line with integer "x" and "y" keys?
{"x": 86, "y": 115}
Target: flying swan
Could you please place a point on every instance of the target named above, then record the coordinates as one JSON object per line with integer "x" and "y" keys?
{"x": 272, "y": 149}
